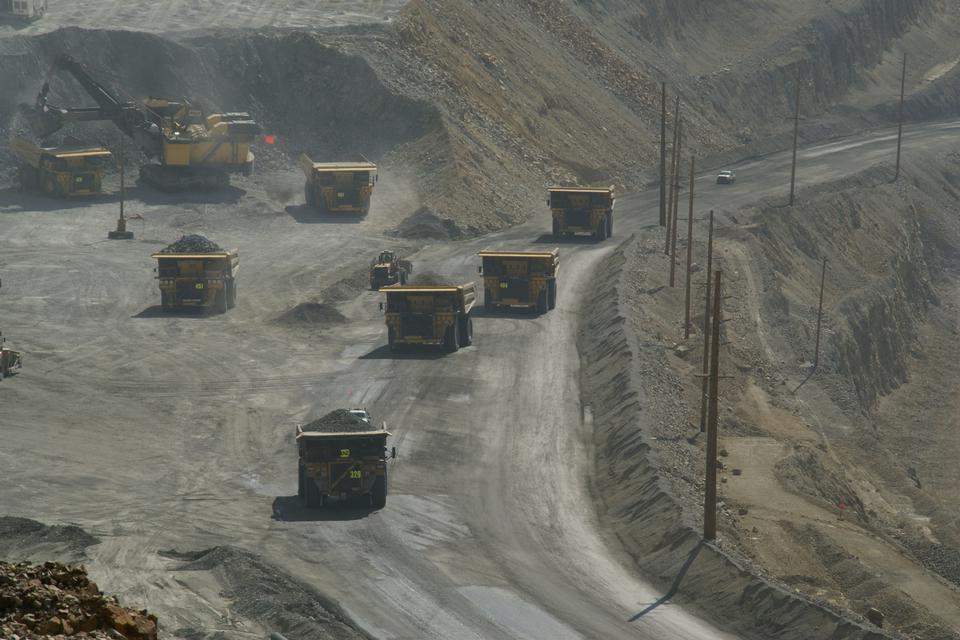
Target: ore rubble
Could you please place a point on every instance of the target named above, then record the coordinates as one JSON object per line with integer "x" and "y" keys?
{"x": 55, "y": 600}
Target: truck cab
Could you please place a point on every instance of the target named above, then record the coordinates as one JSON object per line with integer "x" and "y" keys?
{"x": 520, "y": 279}
{"x": 582, "y": 210}
{"x": 436, "y": 315}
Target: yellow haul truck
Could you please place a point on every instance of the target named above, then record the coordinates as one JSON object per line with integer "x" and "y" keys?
{"x": 65, "y": 172}
{"x": 582, "y": 210}
{"x": 430, "y": 315}
{"x": 520, "y": 279}
{"x": 339, "y": 187}
{"x": 25, "y": 10}
{"x": 205, "y": 280}
{"x": 342, "y": 456}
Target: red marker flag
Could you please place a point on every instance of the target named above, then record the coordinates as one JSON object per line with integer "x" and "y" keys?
{"x": 270, "y": 139}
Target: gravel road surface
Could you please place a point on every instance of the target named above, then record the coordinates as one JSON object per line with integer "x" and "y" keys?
{"x": 155, "y": 431}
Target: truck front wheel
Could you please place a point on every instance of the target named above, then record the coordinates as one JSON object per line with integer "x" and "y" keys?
{"x": 378, "y": 495}
{"x": 556, "y": 229}
{"x": 300, "y": 482}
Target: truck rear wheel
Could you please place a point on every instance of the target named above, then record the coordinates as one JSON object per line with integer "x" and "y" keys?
{"x": 403, "y": 277}
{"x": 556, "y": 229}
{"x": 232, "y": 294}
{"x": 609, "y": 225}
{"x": 391, "y": 338}
{"x": 300, "y": 482}
{"x": 552, "y": 294}
{"x": 378, "y": 495}
{"x": 311, "y": 493}
{"x": 601, "y": 233}
{"x": 451, "y": 338}
{"x": 220, "y": 302}
{"x": 466, "y": 331}
{"x": 308, "y": 195}
{"x": 487, "y": 299}
{"x": 542, "y": 303}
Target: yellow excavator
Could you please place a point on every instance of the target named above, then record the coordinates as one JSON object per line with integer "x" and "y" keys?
{"x": 192, "y": 149}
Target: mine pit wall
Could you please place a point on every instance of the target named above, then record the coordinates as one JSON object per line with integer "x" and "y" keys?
{"x": 637, "y": 504}
{"x": 886, "y": 246}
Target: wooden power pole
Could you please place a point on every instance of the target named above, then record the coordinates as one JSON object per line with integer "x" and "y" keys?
{"x": 706, "y": 332}
{"x": 710, "y": 491}
{"x": 903, "y": 86}
{"x": 674, "y": 159}
{"x": 796, "y": 133}
{"x": 663, "y": 154}
{"x": 686, "y": 316}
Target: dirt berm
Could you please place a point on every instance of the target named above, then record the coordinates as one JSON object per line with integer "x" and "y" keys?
{"x": 638, "y": 503}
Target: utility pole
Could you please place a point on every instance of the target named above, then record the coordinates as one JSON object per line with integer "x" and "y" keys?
{"x": 673, "y": 165}
{"x": 710, "y": 491}
{"x": 816, "y": 348}
{"x": 903, "y": 86}
{"x": 706, "y": 332}
{"x": 663, "y": 154}
{"x": 796, "y": 133}
{"x": 121, "y": 233}
{"x": 686, "y": 317}
{"x": 676, "y": 205}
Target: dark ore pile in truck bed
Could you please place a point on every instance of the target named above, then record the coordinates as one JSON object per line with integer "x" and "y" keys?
{"x": 192, "y": 244}
{"x": 338, "y": 421}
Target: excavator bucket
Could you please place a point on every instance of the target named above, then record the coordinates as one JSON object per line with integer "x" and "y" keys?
{"x": 42, "y": 123}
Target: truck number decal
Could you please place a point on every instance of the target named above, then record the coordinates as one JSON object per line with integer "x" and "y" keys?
{"x": 340, "y": 194}
{"x": 504, "y": 285}
{"x": 199, "y": 285}
{"x": 344, "y": 453}
{"x": 356, "y": 473}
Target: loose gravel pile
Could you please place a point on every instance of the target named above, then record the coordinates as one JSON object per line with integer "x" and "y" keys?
{"x": 55, "y": 600}
{"x": 338, "y": 421}
{"x": 192, "y": 244}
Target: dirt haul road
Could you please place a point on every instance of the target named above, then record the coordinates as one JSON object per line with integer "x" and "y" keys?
{"x": 158, "y": 432}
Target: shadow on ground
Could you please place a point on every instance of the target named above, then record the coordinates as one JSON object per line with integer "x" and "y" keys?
{"x": 308, "y": 215}
{"x": 673, "y": 587}
{"x": 292, "y": 509}
{"x": 157, "y": 311}
{"x": 403, "y": 352}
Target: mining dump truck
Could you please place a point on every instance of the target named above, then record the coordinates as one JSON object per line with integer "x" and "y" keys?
{"x": 430, "y": 315}
{"x": 194, "y": 272}
{"x": 339, "y": 187}
{"x": 342, "y": 455}
{"x": 582, "y": 210}
{"x": 25, "y": 10}
{"x": 67, "y": 171}
{"x": 520, "y": 279}
{"x": 387, "y": 268}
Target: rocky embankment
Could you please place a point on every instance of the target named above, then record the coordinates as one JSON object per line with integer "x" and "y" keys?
{"x": 54, "y": 600}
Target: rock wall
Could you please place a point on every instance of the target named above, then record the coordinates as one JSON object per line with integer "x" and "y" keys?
{"x": 621, "y": 375}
